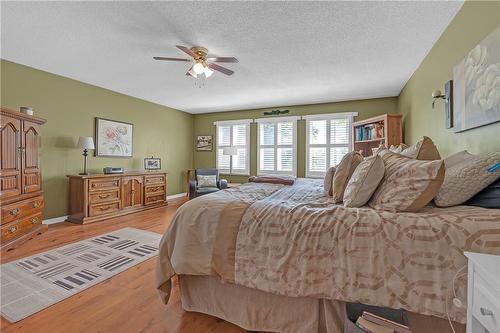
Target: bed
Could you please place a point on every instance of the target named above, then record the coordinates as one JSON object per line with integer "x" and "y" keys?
{"x": 261, "y": 255}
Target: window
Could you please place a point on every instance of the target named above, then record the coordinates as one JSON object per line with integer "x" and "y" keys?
{"x": 277, "y": 146}
{"x": 234, "y": 133}
{"x": 328, "y": 139}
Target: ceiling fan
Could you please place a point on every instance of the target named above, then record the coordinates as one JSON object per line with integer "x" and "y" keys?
{"x": 203, "y": 65}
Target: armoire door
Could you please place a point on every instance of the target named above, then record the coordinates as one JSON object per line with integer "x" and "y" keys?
{"x": 132, "y": 191}
{"x": 32, "y": 176}
{"x": 10, "y": 157}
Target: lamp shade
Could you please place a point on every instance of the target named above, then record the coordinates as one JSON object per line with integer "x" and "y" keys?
{"x": 231, "y": 151}
{"x": 86, "y": 142}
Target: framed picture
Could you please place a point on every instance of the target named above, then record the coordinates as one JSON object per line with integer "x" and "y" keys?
{"x": 152, "y": 163}
{"x": 476, "y": 101}
{"x": 113, "y": 138}
{"x": 204, "y": 143}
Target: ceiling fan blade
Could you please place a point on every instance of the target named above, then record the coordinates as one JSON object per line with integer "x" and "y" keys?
{"x": 221, "y": 69}
{"x": 170, "y": 59}
{"x": 223, "y": 59}
{"x": 186, "y": 50}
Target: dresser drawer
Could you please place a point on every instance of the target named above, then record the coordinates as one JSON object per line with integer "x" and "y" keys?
{"x": 21, "y": 209}
{"x": 104, "y": 184}
{"x": 155, "y": 189}
{"x": 20, "y": 227}
{"x": 155, "y": 179}
{"x": 153, "y": 199}
{"x": 485, "y": 307}
{"x": 104, "y": 196}
{"x": 101, "y": 209}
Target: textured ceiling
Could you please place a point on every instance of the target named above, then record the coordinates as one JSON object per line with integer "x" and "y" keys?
{"x": 290, "y": 52}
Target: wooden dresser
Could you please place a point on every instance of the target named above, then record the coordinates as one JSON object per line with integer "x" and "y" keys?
{"x": 99, "y": 196}
{"x": 21, "y": 199}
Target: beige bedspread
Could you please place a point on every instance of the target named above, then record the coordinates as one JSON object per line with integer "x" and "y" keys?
{"x": 293, "y": 241}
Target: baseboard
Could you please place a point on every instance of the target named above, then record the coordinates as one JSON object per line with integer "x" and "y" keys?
{"x": 55, "y": 220}
{"x": 175, "y": 196}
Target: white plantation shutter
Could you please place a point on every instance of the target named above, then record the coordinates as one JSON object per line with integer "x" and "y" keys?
{"x": 277, "y": 145}
{"x": 233, "y": 133}
{"x": 328, "y": 139}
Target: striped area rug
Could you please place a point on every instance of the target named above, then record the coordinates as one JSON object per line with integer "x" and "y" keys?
{"x": 36, "y": 282}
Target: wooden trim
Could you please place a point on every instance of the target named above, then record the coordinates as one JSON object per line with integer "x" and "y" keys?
{"x": 23, "y": 116}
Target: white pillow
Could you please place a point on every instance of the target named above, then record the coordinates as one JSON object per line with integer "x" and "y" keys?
{"x": 207, "y": 181}
{"x": 364, "y": 181}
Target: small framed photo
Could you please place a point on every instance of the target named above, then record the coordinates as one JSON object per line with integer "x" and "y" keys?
{"x": 152, "y": 163}
{"x": 204, "y": 142}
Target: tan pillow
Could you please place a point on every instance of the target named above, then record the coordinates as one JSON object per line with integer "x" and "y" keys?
{"x": 408, "y": 184}
{"x": 422, "y": 150}
{"x": 466, "y": 178}
{"x": 343, "y": 172}
{"x": 398, "y": 149}
{"x": 327, "y": 182}
{"x": 364, "y": 181}
{"x": 456, "y": 158}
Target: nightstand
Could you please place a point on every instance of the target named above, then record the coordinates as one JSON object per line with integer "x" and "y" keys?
{"x": 483, "y": 293}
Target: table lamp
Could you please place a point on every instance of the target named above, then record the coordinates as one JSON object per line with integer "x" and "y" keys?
{"x": 230, "y": 151}
{"x": 85, "y": 143}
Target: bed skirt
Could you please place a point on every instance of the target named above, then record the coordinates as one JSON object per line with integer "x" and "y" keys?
{"x": 255, "y": 310}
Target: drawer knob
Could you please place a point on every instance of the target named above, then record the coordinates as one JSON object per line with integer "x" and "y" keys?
{"x": 486, "y": 312}
{"x": 14, "y": 212}
{"x": 13, "y": 229}
{"x": 104, "y": 196}
{"x": 36, "y": 204}
{"x": 34, "y": 220}
{"x": 105, "y": 208}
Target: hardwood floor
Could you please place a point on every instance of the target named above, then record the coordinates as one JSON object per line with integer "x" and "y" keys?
{"x": 127, "y": 302}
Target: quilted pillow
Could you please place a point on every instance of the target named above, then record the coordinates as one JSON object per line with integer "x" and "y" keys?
{"x": 327, "y": 182}
{"x": 422, "y": 150}
{"x": 456, "y": 158}
{"x": 364, "y": 181}
{"x": 408, "y": 184}
{"x": 207, "y": 181}
{"x": 466, "y": 178}
{"x": 343, "y": 172}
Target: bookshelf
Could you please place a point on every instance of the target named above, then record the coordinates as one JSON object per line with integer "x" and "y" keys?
{"x": 385, "y": 130}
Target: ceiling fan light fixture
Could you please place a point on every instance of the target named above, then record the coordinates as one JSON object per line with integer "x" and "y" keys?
{"x": 199, "y": 68}
{"x": 208, "y": 72}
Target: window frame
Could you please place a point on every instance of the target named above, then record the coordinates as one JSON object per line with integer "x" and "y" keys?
{"x": 328, "y": 117}
{"x": 276, "y": 146}
{"x": 232, "y": 123}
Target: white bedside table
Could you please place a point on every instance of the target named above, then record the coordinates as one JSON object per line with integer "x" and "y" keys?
{"x": 483, "y": 293}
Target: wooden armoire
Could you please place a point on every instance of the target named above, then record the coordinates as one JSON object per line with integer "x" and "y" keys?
{"x": 21, "y": 197}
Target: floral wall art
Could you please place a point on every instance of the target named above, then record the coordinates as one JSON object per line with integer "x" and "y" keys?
{"x": 113, "y": 138}
{"x": 476, "y": 85}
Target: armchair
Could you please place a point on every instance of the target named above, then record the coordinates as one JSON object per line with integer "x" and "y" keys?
{"x": 196, "y": 191}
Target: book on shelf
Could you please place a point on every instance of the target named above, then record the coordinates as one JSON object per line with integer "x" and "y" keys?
{"x": 370, "y": 132}
{"x": 370, "y": 327}
{"x": 396, "y": 327}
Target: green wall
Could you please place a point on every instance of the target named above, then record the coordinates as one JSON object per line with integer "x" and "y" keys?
{"x": 472, "y": 23}
{"x": 70, "y": 107}
{"x": 203, "y": 125}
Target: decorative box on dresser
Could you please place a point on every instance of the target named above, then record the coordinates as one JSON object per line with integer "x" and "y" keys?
{"x": 101, "y": 196}
{"x": 21, "y": 196}
{"x": 483, "y": 293}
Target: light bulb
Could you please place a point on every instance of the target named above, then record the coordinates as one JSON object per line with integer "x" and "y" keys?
{"x": 208, "y": 72}
{"x": 192, "y": 73}
{"x": 198, "y": 68}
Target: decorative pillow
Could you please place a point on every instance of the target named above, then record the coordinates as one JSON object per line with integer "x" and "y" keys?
{"x": 466, "y": 178}
{"x": 487, "y": 198}
{"x": 343, "y": 172}
{"x": 364, "y": 181}
{"x": 408, "y": 184}
{"x": 422, "y": 150}
{"x": 452, "y": 160}
{"x": 207, "y": 181}
{"x": 398, "y": 149}
{"x": 327, "y": 182}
